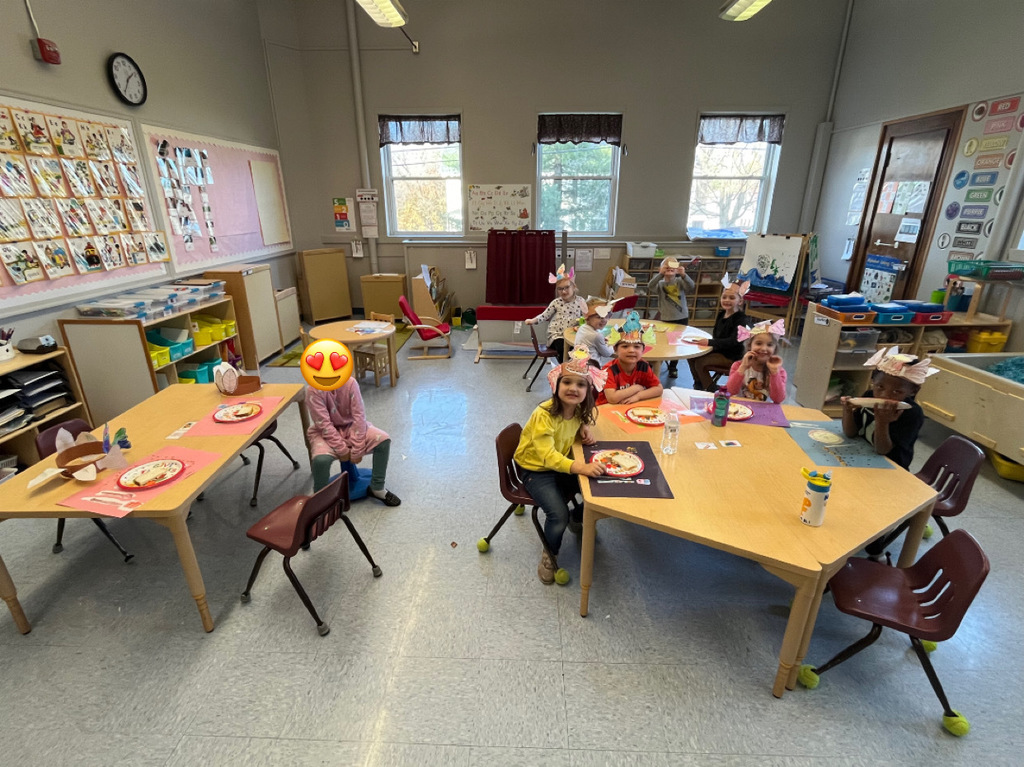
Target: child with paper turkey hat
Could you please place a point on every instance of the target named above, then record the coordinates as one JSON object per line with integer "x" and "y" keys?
{"x": 630, "y": 377}
{"x": 759, "y": 374}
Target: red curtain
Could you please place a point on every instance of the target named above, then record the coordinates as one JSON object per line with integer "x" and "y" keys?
{"x": 518, "y": 265}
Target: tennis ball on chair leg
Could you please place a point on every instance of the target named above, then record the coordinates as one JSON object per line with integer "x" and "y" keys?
{"x": 807, "y": 677}
{"x": 561, "y": 576}
{"x": 483, "y": 546}
{"x": 520, "y": 510}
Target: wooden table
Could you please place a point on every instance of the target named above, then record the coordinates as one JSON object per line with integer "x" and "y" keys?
{"x": 148, "y": 425}
{"x": 662, "y": 350}
{"x": 754, "y": 512}
{"x": 343, "y": 333}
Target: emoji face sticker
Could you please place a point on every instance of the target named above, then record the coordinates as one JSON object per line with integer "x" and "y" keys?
{"x": 326, "y": 364}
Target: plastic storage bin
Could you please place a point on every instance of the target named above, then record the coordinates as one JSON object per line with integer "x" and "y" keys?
{"x": 986, "y": 342}
{"x": 641, "y": 249}
{"x": 197, "y": 372}
{"x": 861, "y": 339}
{"x": 987, "y": 270}
{"x": 851, "y": 359}
{"x": 160, "y": 355}
{"x": 892, "y": 314}
{"x": 932, "y": 318}
{"x": 177, "y": 349}
{"x": 847, "y": 315}
{"x": 1006, "y": 468}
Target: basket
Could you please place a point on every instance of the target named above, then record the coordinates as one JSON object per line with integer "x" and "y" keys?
{"x": 987, "y": 270}
{"x": 1006, "y": 468}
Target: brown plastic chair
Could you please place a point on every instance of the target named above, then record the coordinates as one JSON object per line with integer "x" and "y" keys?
{"x": 46, "y": 444}
{"x": 295, "y": 524}
{"x": 539, "y": 353}
{"x": 266, "y": 434}
{"x": 927, "y": 601}
{"x": 511, "y": 485}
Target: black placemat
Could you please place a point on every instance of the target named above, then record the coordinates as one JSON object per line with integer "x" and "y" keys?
{"x": 630, "y": 488}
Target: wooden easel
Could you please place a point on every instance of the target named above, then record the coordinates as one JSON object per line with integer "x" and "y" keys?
{"x": 791, "y": 311}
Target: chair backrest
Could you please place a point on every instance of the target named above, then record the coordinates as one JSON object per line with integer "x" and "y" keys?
{"x": 380, "y": 317}
{"x": 952, "y": 470}
{"x": 410, "y": 315}
{"x": 323, "y": 509}
{"x": 508, "y": 478}
{"x": 46, "y": 441}
{"x": 627, "y": 302}
{"x": 536, "y": 343}
{"x": 944, "y": 582}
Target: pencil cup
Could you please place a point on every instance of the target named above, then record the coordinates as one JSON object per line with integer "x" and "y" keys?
{"x": 6, "y": 351}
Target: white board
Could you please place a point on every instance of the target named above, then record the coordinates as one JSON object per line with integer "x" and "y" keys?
{"x": 269, "y": 202}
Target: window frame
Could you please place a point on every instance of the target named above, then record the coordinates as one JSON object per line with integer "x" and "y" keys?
{"x": 613, "y": 179}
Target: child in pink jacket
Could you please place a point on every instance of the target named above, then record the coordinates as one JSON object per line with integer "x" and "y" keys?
{"x": 759, "y": 374}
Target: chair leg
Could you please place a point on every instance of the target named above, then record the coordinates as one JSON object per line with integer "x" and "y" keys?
{"x": 276, "y": 441}
{"x": 110, "y": 537}
{"x": 255, "y": 571}
{"x": 321, "y": 627}
{"x": 377, "y": 572}
{"x": 502, "y": 521}
{"x": 259, "y": 473}
{"x": 58, "y": 546}
{"x": 540, "y": 533}
{"x": 245, "y": 460}
{"x": 922, "y": 655}
{"x": 849, "y": 652}
{"x": 942, "y": 525}
{"x": 535, "y": 358}
{"x": 540, "y": 367}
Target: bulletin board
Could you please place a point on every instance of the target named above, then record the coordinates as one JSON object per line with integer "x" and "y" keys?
{"x": 75, "y": 216}
{"x": 220, "y": 201}
{"x": 499, "y": 206}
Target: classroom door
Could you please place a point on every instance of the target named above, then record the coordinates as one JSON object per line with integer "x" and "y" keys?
{"x": 907, "y": 184}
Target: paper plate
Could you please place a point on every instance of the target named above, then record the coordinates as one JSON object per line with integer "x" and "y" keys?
{"x": 242, "y": 411}
{"x": 737, "y": 411}
{"x": 825, "y": 437}
{"x": 150, "y": 474}
{"x": 872, "y": 401}
{"x": 646, "y": 416}
{"x": 619, "y": 463}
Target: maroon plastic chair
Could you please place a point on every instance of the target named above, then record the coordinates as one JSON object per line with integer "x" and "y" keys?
{"x": 625, "y": 303}
{"x": 266, "y": 434}
{"x": 927, "y": 601}
{"x": 46, "y": 445}
{"x": 511, "y": 486}
{"x": 295, "y": 524}
{"x": 540, "y": 352}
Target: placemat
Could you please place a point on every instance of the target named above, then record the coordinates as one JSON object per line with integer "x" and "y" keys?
{"x": 838, "y": 449}
{"x": 207, "y": 427}
{"x": 616, "y": 414}
{"x": 104, "y": 496}
{"x": 765, "y": 413}
{"x": 650, "y": 483}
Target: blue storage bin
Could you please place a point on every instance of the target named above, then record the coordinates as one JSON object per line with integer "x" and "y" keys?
{"x": 176, "y": 350}
{"x": 837, "y": 300}
{"x": 892, "y": 313}
{"x": 922, "y": 306}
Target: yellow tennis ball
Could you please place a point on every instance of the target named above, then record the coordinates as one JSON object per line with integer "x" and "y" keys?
{"x": 483, "y": 546}
{"x": 561, "y": 576}
{"x": 520, "y": 510}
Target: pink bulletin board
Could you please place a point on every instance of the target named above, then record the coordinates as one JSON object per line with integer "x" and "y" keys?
{"x": 234, "y": 203}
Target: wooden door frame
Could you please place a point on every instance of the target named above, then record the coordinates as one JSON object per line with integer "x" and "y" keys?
{"x": 895, "y": 129}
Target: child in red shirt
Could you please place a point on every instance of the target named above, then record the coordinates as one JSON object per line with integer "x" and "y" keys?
{"x": 630, "y": 378}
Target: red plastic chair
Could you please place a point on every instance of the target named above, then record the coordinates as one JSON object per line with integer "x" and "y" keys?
{"x": 46, "y": 444}
{"x": 542, "y": 353}
{"x": 297, "y": 523}
{"x": 927, "y": 601}
{"x": 431, "y": 336}
{"x": 625, "y": 303}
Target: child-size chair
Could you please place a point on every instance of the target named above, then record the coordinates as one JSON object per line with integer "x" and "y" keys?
{"x": 373, "y": 357}
{"x": 431, "y": 336}
{"x": 927, "y": 601}
{"x": 539, "y": 353}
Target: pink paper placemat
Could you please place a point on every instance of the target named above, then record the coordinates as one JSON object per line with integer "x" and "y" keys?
{"x": 104, "y": 496}
{"x": 207, "y": 427}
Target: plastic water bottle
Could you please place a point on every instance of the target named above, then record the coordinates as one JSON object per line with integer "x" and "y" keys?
{"x": 812, "y": 512}
{"x": 670, "y": 437}
{"x": 720, "y": 409}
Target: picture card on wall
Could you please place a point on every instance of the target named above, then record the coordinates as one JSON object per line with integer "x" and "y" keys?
{"x": 54, "y": 258}
{"x": 42, "y": 218}
{"x": 134, "y": 249}
{"x": 76, "y": 219}
{"x": 138, "y": 216}
{"x": 9, "y": 141}
{"x": 85, "y": 255}
{"x": 94, "y": 137}
{"x": 79, "y": 177}
{"x": 156, "y": 246}
{"x": 99, "y": 213}
{"x": 32, "y": 130}
{"x": 48, "y": 176}
{"x": 105, "y": 177}
{"x": 122, "y": 145}
{"x": 20, "y": 261}
{"x": 13, "y": 224}
{"x": 118, "y": 218}
{"x": 110, "y": 251}
{"x": 64, "y": 133}
{"x": 15, "y": 178}
{"x": 130, "y": 179}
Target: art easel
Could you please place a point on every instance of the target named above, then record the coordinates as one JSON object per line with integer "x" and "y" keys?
{"x": 778, "y": 305}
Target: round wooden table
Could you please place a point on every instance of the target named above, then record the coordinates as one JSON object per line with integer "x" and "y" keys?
{"x": 344, "y": 332}
{"x": 662, "y": 350}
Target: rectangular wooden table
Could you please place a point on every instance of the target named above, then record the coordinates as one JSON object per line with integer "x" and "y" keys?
{"x": 746, "y": 501}
{"x": 148, "y": 424}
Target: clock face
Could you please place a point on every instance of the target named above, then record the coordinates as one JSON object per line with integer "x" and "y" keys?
{"x": 126, "y": 79}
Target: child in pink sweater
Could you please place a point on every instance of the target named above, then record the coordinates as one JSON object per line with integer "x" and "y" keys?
{"x": 758, "y": 374}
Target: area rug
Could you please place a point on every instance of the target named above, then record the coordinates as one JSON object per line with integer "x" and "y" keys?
{"x": 290, "y": 359}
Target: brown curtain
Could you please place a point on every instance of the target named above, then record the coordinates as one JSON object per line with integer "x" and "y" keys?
{"x": 518, "y": 265}
{"x": 741, "y": 129}
{"x": 414, "y": 129}
{"x": 579, "y": 129}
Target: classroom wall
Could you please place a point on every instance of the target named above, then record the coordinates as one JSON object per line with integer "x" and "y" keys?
{"x": 499, "y": 64}
{"x": 906, "y": 58}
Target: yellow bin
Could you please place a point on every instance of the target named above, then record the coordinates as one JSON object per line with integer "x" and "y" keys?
{"x": 1006, "y": 468}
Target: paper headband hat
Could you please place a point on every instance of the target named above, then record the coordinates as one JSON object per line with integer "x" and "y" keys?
{"x": 902, "y": 365}
{"x": 740, "y": 287}
{"x": 777, "y": 329}
{"x": 599, "y": 307}
{"x": 578, "y": 364}
{"x": 633, "y": 332}
{"x": 561, "y": 275}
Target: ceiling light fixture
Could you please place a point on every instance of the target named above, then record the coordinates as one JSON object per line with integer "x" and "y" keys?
{"x": 385, "y": 13}
{"x": 738, "y": 10}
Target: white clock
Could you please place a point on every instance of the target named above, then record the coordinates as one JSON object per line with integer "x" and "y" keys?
{"x": 126, "y": 79}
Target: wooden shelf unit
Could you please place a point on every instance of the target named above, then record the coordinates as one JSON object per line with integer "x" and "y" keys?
{"x": 112, "y": 361}
{"x": 435, "y": 301}
{"x": 816, "y": 364}
{"x": 22, "y": 442}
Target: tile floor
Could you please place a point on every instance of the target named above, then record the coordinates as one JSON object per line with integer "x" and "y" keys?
{"x": 458, "y": 658}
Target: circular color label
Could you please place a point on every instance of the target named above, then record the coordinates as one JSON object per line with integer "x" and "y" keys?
{"x": 943, "y": 241}
{"x": 970, "y": 147}
{"x": 979, "y": 111}
{"x": 960, "y": 179}
{"x": 952, "y": 210}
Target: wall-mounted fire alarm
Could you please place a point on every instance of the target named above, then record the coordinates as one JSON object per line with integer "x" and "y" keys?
{"x": 45, "y": 50}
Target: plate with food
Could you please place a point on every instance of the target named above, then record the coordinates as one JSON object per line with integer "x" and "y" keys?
{"x": 872, "y": 401}
{"x": 619, "y": 463}
{"x": 241, "y": 411}
{"x": 737, "y": 411}
{"x": 646, "y": 416}
{"x": 151, "y": 474}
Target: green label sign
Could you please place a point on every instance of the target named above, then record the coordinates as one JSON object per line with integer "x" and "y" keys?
{"x": 979, "y": 195}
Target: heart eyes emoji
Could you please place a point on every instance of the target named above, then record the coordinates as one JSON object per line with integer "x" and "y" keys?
{"x": 338, "y": 361}
{"x": 316, "y": 361}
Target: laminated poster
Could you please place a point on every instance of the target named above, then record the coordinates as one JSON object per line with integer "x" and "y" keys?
{"x": 85, "y": 254}
{"x": 79, "y": 177}
{"x": 75, "y": 218}
{"x": 15, "y": 179}
{"x": 20, "y": 261}
{"x": 110, "y": 251}
{"x": 94, "y": 137}
{"x": 13, "y": 225}
{"x": 64, "y": 133}
{"x": 105, "y": 177}
{"x": 134, "y": 249}
{"x": 499, "y": 206}
{"x": 54, "y": 257}
{"x": 121, "y": 145}
{"x": 9, "y": 141}
{"x": 42, "y": 218}
{"x": 156, "y": 246}
{"x": 32, "y": 130}
{"x": 48, "y": 176}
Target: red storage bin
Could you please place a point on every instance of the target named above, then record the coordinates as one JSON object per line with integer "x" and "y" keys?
{"x": 931, "y": 318}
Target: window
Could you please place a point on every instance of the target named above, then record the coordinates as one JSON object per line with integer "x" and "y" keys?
{"x": 422, "y": 162}
{"x": 578, "y": 172}
{"x": 734, "y": 171}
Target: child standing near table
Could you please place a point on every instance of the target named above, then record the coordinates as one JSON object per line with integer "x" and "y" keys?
{"x": 726, "y": 348}
{"x": 630, "y": 378}
{"x": 545, "y": 447}
{"x": 562, "y": 313}
{"x": 669, "y": 284}
{"x": 589, "y": 333}
{"x": 339, "y": 429}
{"x": 759, "y": 374}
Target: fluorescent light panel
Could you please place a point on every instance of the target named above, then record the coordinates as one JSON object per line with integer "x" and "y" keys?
{"x": 739, "y": 10}
{"x": 385, "y": 13}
